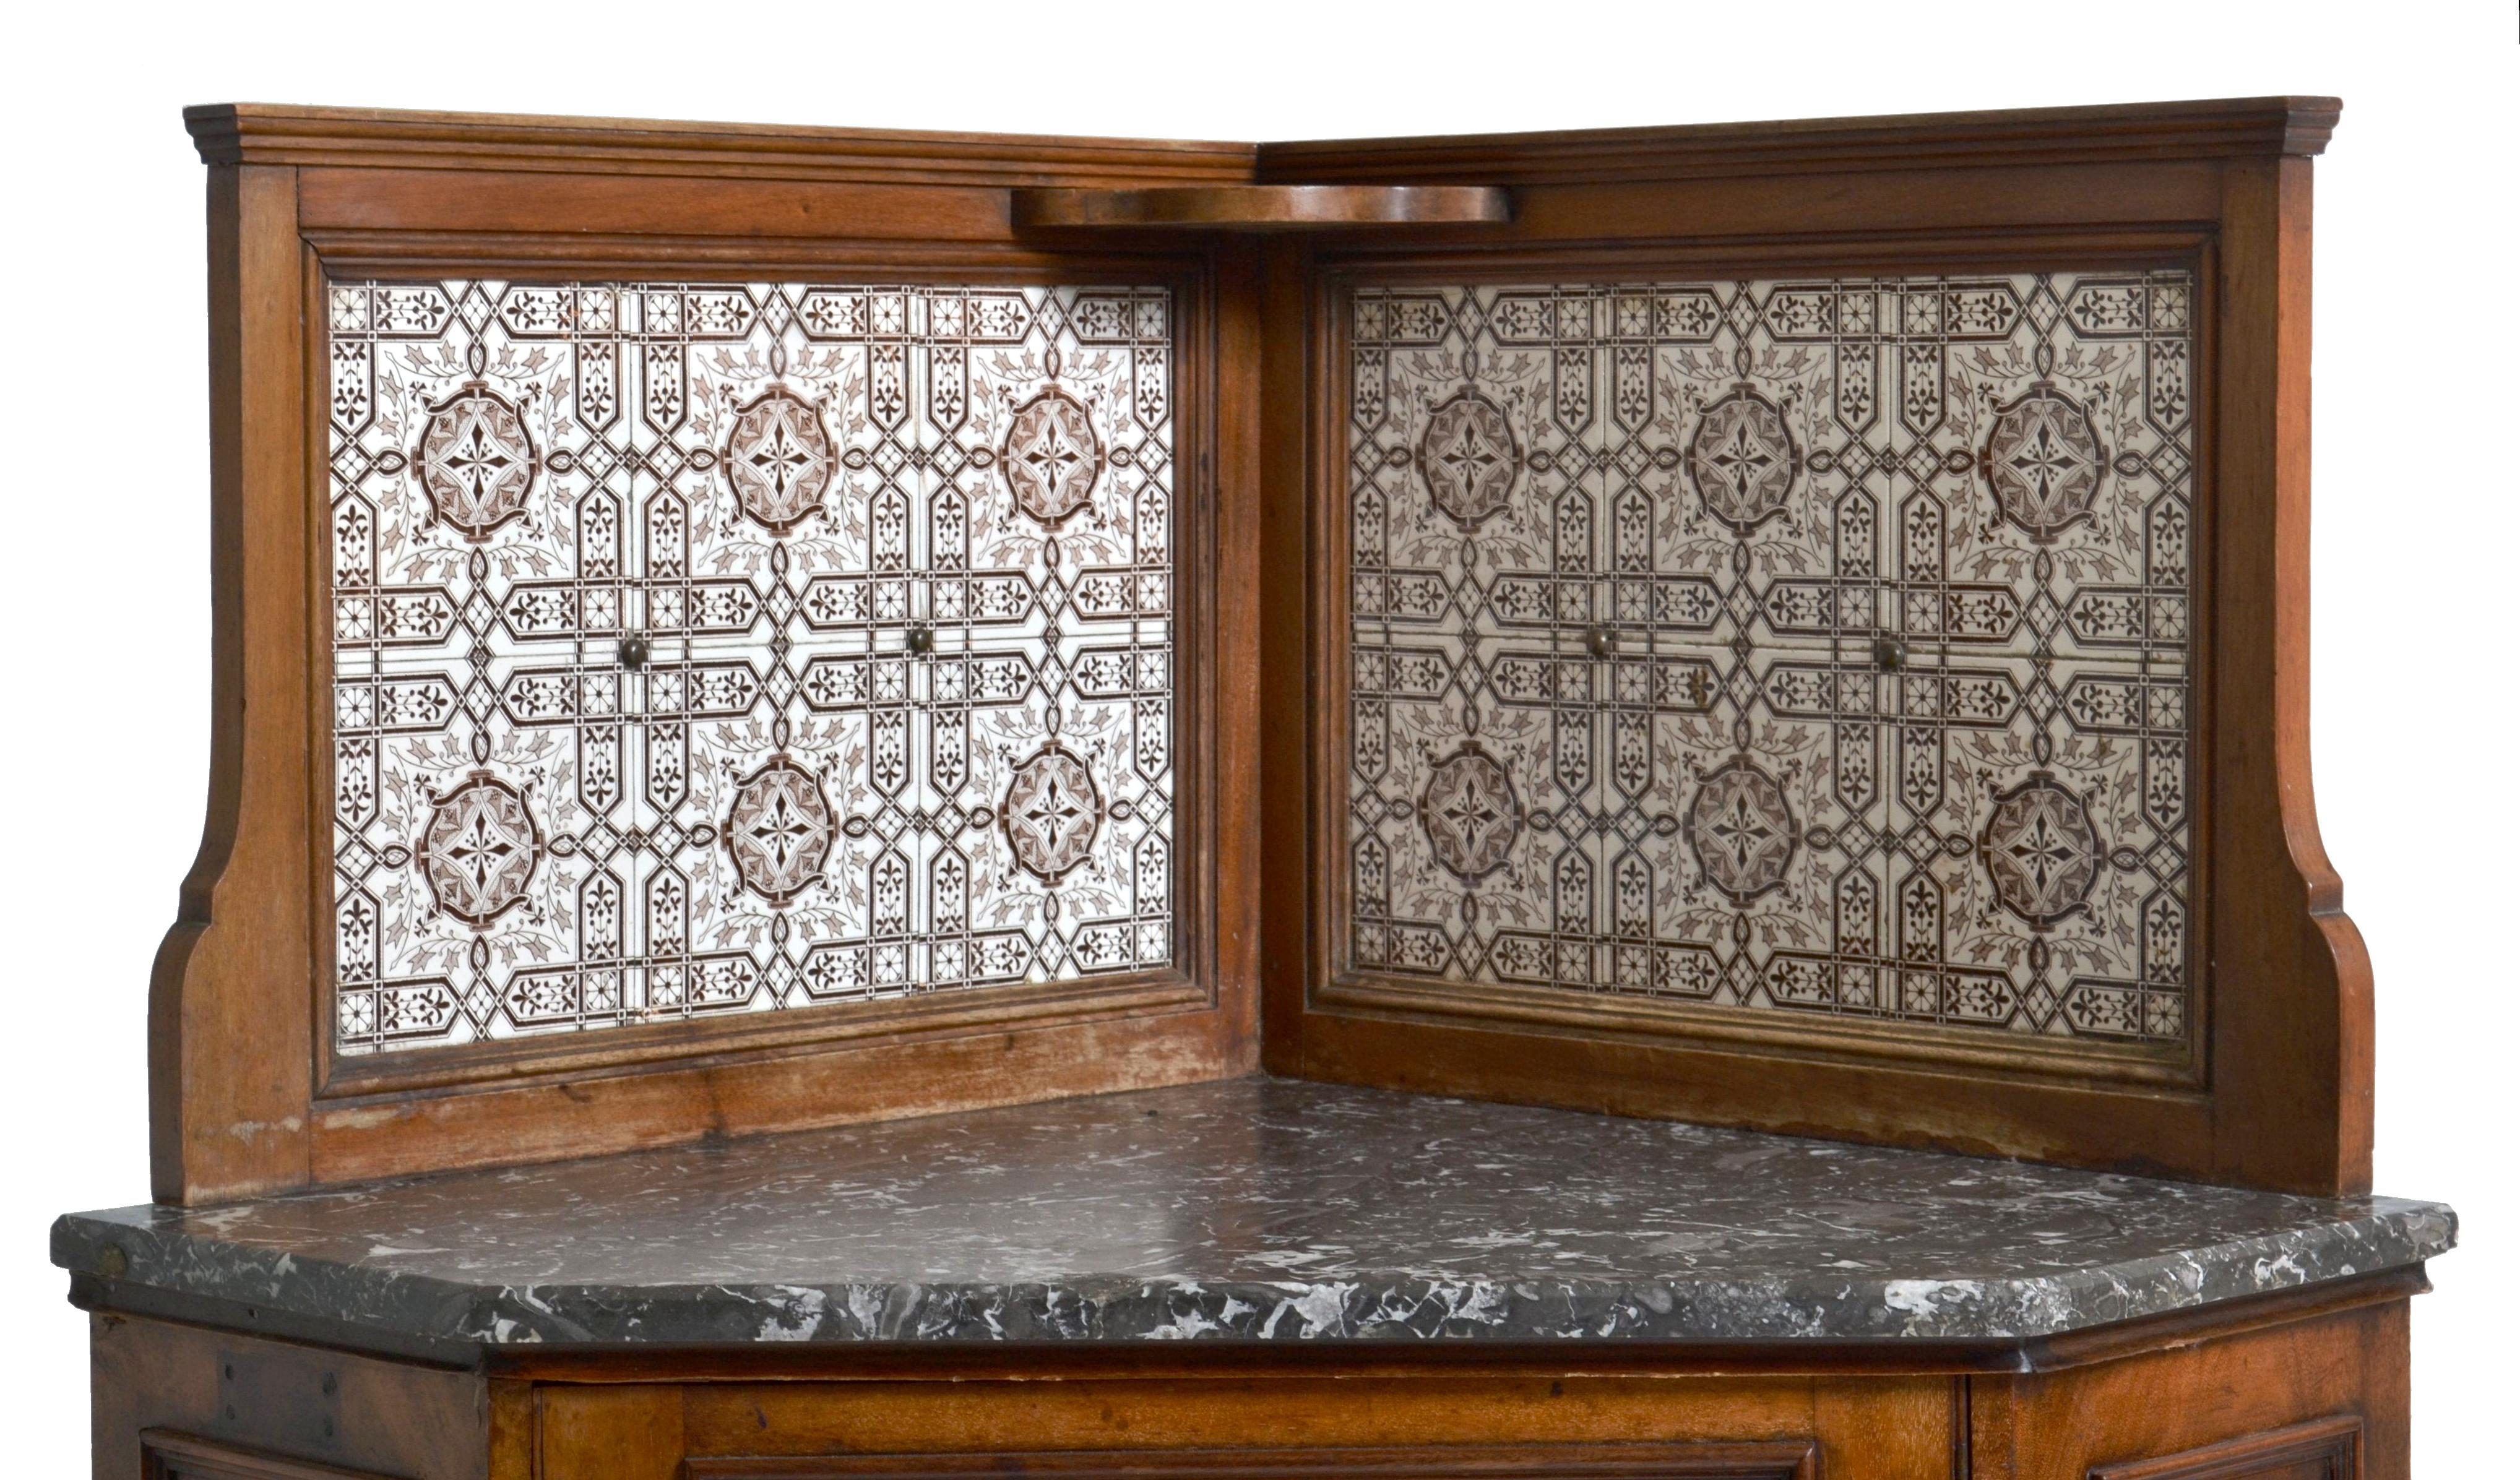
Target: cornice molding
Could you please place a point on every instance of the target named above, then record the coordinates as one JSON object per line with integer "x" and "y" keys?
{"x": 255, "y": 133}
{"x": 261, "y": 133}
{"x": 2216, "y": 128}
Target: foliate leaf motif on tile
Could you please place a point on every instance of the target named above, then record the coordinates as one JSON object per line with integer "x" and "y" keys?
{"x": 718, "y": 647}
{"x": 1809, "y": 647}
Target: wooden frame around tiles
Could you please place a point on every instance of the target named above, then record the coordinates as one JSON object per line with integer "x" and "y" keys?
{"x": 2279, "y": 1092}
{"x": 248, "y": 1098}
{"x": 247, "y": 1093}
{"x": 1975, "y": 1050}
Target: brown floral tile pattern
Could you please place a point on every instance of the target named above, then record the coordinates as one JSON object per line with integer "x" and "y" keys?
{"x": 713, "y": 647}
{"x": 1811, "y": 646}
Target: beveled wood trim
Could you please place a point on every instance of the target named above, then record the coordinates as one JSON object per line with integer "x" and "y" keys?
{"x": 351, "y": 1080}
{"x": 1813, "y": 1036}
{"x": 2211, "y": 128}
{"x": 1883, "y": 204}
{"x": 1264, "y": 207}
{"x": 1670, "y": 1459}
{"x": 1881, "y": 1427}
{"x": 169, "y": 1456}
{"x": 380, "y": 138}
{"x": 557, "y": 1114}
{"x": 265, "y": 133}
{"x": 568, "y": 208}
{"x": 2334, "y": 1446}
{"x": 402, "y": 253}
{"x": 540, "y": 255}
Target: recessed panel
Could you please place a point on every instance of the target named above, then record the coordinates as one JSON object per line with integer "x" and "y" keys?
{"x": 1818, "y": 649}
{"x": 719, "y": 648}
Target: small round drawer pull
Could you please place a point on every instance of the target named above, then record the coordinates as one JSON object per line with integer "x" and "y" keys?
{"x": 1601, "y": 640}
{"x": 634, "y": 651}
{"x": 922, "y": 638}
{"x": 1891, "y": 652}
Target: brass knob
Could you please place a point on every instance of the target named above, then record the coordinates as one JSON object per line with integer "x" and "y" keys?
{"x": 1891, "y": 652}
{"x": 1601, "y": 640}
{"x": 920, "y": 638}
{"x": 634, "y": 651}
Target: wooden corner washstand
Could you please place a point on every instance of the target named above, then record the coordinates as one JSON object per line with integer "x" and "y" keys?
{"x": 1626, "y": 803}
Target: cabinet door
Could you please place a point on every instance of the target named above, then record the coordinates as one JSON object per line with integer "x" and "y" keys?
{"x": 724, "y": 648}
{"x": 1798, "y": 658}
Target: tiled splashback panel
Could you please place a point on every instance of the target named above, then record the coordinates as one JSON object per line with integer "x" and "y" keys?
{"x": 1808, "y": 647}
{"x": 714, "y": 648}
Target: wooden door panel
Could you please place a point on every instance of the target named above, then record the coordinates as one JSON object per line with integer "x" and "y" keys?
{"x": 1774, "y": 1461}
{"x": 181, "y": 1457}
{"x": 1414, "y": 1428}
{"x": 2326, "y": 1449}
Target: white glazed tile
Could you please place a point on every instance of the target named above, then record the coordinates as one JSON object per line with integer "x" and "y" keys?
{"x": 772, "y": 486}
{"x": 1747, "y": 487}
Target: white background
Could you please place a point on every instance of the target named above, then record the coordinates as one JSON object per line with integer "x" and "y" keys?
{"x": 104, "y": 656}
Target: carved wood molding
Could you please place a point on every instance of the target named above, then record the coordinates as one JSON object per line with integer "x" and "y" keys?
{"x": 262, "y": 133}
{"x": 2324, "y": 1449}
{"x": 2218, "y": 129}
{"x": 1788, "y": 1459}
{"x": 166, "y": 1455}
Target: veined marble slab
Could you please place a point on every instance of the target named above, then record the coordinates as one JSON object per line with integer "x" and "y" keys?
{"x": 1247, "y": 1210}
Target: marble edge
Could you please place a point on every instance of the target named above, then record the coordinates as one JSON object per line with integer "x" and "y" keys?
{"x": 2392, "y": 1233}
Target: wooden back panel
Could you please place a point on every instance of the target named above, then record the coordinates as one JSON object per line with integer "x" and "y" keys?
{"x": 476, "y": 884}
{"x": 1595, "y": 783}
{"x": 2212, "y": 1022}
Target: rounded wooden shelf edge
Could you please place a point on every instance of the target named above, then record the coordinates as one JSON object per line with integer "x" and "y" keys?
{"x": 1265, "y": 208}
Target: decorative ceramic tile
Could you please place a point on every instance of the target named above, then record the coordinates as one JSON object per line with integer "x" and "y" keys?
{"x": 1817, "y": 647}
{"x": 711, "y": 648}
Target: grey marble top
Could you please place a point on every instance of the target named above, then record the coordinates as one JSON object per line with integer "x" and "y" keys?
{"x": 1243, "y": 1210}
